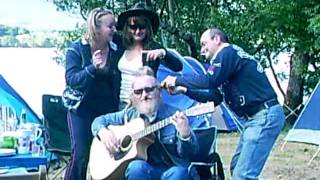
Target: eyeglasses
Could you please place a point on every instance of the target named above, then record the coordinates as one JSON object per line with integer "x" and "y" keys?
{"x": 136, "y": 26}
{"x": 145, "y": 89}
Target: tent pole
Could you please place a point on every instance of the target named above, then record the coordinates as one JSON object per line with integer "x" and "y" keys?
{"x": 314, "y": 156}
{"x": 282, "y": 147}
{"x": 292, "y": 112}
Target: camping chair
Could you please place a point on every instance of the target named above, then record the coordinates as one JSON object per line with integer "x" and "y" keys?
{"x": 207, "y": 162}
{"x": 58, "y": 142}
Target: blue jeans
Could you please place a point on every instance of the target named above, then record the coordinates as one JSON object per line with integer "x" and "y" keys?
{"x": 259, "y": 134}
{"x": 139, "y": 169}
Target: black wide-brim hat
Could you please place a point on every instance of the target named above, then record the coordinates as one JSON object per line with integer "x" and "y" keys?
{"x": 137, "y": 10}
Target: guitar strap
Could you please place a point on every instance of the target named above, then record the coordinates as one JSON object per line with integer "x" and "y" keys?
{"x": 126, "y": 108}
{"x": 126, "y": 119}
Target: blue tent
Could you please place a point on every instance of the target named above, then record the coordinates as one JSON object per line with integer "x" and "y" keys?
{"x": 190, "y": 66}
{"x": 223, "y": 118}
{"x": 307, "y": 127}
{"x": 10, "y": 98}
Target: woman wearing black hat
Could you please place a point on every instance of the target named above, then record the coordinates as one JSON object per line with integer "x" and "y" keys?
{"x": 138, "y": 25}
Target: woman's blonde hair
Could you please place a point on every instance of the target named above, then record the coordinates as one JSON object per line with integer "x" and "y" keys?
{"x": 94, "y": 24}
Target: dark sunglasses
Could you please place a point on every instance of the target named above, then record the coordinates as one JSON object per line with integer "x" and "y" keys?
{"x": 136, "y": 26}
{"x": 145, "y": 89}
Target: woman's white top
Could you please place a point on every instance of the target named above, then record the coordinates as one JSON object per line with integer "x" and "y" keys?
{"x": 128, "y": 69}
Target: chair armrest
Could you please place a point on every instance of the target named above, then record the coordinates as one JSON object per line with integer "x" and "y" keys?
{"x": 42, "y": 172}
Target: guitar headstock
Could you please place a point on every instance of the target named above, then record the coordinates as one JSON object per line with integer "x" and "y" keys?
{"x": 199, "y": 109}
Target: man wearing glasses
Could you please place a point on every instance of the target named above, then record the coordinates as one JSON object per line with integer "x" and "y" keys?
{"x": 173, "y": 145}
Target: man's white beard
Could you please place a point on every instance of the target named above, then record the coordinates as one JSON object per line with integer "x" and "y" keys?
{"x": 148, "y": 108}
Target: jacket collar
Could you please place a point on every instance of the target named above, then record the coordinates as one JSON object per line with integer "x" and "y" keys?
{"x": 223, "y": 45}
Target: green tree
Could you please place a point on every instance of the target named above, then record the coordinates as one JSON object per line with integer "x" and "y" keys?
{"x": 264, "y": 28}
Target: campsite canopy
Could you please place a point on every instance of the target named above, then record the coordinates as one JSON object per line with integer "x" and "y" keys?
{"x": 10, "y": 98}
{"x": 307, "y": 127}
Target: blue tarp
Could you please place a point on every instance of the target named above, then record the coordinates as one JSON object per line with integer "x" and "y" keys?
{"x": 9, "y": 97}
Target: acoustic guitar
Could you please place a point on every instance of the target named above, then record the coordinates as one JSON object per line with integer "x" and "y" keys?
{"x": 134, "y": 140}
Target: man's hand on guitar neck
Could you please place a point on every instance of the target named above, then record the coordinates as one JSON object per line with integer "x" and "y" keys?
{"x": 109, "y": 140}
{"x": 180, "y": 120}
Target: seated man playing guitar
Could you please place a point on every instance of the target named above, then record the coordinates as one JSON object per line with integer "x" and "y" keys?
{"x": 171, "y": 146}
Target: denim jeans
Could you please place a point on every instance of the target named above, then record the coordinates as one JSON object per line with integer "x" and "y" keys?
{"x": 81, "y": 137}
{"x": 256, "y": 141}
{"x": 139, "y": 169}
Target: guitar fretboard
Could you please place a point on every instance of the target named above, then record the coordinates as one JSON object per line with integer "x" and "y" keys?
{"x": 156, "y": 126}
{"x": 150, "y": 129}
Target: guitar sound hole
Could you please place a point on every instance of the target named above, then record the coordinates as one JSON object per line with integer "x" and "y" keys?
{"x": 126, "y": 141}
{"x": 125, "y": 146}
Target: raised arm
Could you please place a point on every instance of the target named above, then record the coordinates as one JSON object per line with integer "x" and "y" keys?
{"x": 78, "y": 75}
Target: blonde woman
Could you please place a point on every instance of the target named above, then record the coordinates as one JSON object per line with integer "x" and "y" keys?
{"x": 90, "y": 65}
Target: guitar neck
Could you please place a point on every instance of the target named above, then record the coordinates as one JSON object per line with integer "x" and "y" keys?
{"x": 156, "y": 126}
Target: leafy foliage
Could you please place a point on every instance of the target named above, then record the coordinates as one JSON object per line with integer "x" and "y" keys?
{"x": 264, "y": 28}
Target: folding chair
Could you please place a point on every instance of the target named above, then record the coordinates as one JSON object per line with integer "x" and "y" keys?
{"x": 58, "y": 142}
{"x": 207, "y": 162}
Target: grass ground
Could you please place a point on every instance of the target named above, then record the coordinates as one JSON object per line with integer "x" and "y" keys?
{"x": 288, "y": 164}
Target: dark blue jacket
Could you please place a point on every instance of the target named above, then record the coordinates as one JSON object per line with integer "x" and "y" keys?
{"x": 205, "y": 95}
{"x": 242, "y": 78}
{"x": 101, "y": 91}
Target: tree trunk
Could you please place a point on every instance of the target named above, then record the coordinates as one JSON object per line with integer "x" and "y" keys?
{"x": 171, "y": 20}
{"x": 187, "y": 37}
{"x": 298, "y": 65}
